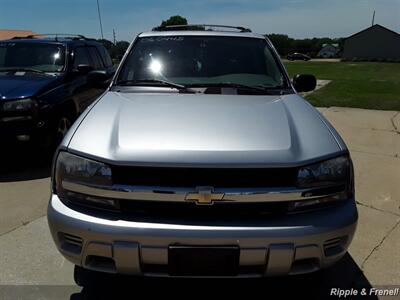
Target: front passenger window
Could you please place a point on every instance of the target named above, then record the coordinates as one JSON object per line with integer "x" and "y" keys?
{"x": 98, "y": 64}
{"x": 81, "y": 57}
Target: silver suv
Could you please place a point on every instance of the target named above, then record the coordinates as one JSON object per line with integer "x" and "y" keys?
{"x": 201, "y": 159}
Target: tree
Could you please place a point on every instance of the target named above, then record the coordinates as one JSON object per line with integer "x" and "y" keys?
{"x": 106, "y": 43}
{"x": 118, "y": 49}
{"x": 286, "y": 45}
{"x": 174, "y": 20}
{"x": 282, "y": 43}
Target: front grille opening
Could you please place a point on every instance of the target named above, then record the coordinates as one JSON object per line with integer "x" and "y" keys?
{"x": 192, "y": 214}
{"x": 216, "y": 177}
{"x": 70, "y": 243}
{"x": 188, "y": 213}
{"x": 335, "y": 246}
{"x": 100, "y": 263}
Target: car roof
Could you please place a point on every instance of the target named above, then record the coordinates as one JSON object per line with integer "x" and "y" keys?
{"x": 64, "y": 41}
{"x": 201, "y": 33}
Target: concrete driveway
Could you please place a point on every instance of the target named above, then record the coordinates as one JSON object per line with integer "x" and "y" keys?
{"x": 28, "y": 257}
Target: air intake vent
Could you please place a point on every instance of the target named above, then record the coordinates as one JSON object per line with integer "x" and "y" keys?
{"x": 71, "y": 243}
{"x": 334, "y": 246}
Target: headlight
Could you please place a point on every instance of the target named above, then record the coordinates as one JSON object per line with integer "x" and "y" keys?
{"x": 330, "y": 172}
{"x": 333, "y": 179}
{"x": 73, "y": 169}
{"x": 18, "y": 105}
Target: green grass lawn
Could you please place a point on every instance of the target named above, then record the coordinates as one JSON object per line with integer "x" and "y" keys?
{"x": 354, "y": 84}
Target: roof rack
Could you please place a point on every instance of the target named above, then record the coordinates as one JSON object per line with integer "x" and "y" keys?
{"x": 200, "y": 27}
{"x": 55, "y": 35}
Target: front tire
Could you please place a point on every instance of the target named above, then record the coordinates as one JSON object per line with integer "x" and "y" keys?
{"x": 84, "y": 277}
{"x": 57, "y": 130}
{"x": 89, "y": 278}
{"x": 64, "y": 123}
{"x": 79, "y": 276}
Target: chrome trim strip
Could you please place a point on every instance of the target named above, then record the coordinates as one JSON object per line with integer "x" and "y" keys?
{"x": 176, "y": 194}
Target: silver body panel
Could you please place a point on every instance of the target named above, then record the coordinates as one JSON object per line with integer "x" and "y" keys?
{"x": 175, "y": 130}
{"x": 276, "y": 244}
{"x": 160, "y": 127}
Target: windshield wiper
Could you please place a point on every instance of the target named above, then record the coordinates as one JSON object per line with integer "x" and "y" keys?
{"x": 21, "y": 70}
{"x": 271, "y": 87}
{"x": 232, "y": 85}
{"x": 154, "y": 81}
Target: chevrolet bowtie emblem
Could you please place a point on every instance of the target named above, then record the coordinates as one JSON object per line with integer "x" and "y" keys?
{"x": 204, "y": 195}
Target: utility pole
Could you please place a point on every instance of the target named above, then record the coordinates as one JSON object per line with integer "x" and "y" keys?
{"x": 373, "y": 19}
{"x": 101, "y": 25}
{"x": 114, "y": 37}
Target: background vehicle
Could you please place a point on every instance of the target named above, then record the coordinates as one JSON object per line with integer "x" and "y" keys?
{"x": 44, "y": 87}
{"x": 202, "y": 160}
{"x": 298, "y": 56}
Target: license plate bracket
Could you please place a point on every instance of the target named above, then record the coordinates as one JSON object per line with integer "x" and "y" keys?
{"x": 203, "y": 260}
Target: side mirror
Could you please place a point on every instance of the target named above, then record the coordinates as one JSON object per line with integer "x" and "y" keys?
{"x": 304, "y": 82}
{"x": 83, "y": 69}
{"x": 98, "y": 79}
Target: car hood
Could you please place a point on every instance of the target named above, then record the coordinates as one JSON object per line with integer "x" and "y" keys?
{"x": 27, "y": 85}
{"x": 191, "y": 129}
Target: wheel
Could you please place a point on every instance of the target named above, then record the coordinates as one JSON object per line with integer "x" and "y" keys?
{"x": 79, "y": 276}
{"x": 58, "y": 129}
{"x": 64, "y": 123}
{"x": 89, "y": 278}
{"x": 84, "y": 277}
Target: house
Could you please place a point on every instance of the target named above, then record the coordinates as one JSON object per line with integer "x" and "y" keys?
{"x": 374, "y": 43}
{"x": 329, "y": 51}
{"x": 6, "y": 34}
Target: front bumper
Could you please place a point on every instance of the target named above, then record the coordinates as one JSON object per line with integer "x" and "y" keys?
{"x": 293, "y": 244}
{"x": 33, "y": 127}
{"x": 12, "y": 129}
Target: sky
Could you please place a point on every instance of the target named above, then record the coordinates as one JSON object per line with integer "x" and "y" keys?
{"x": 297, "y": 18}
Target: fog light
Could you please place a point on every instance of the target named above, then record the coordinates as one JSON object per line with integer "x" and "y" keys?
{"x": 23, "y": 138}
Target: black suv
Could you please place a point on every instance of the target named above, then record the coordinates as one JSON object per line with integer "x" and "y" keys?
{"x": 46, "y": 82}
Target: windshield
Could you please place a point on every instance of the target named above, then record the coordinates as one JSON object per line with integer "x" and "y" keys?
{"x": 202, "y": 61}
{"x": 36, "y": 56}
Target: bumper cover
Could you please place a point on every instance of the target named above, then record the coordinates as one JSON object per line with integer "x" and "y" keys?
{"x": 293, "y": 244}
